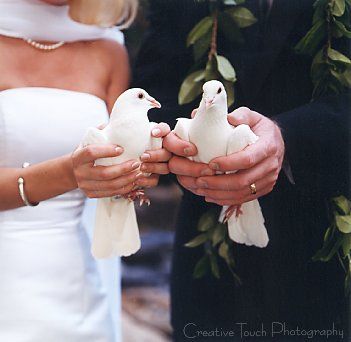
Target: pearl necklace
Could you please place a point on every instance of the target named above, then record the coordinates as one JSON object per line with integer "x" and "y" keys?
{"x": 46, "y": 47}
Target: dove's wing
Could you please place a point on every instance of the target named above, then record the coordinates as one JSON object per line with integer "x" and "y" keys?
{"x": 240, "y": 137}
{"x": 94, "y": 135}
{"x": 182, "y": 128}
{"x": 248, "y": 228}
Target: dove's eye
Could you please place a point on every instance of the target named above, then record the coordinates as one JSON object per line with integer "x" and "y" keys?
{"x": 219, "y": 90}
{"x": 141, "y": 96}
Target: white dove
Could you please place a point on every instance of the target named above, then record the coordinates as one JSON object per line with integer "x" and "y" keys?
{"x": 116, "y": 229}
{"x": 214, "y": 137}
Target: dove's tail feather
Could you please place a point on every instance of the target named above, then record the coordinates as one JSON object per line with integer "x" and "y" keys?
{"x": 116, "y": 229}
{"x": 248, "y": 228}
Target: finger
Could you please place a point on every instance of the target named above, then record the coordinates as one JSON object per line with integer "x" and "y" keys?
{"x": 235, "y": 196}
{"x": 100, "y": 172}
{"x": 92, "y": 152}
{"x": 185, "y": 167}
{"x": 159, "y": 168}
{"x": 110, "y": 185}
{"x": 148, "y": 182}
{"x": 188, "y": 183}
{"x": 244, "y": 115}
{"x": 155, "y": 156}
{"x": 249, "y": 198}
{"x": 160, "y": 130}
{"x": 245, "y": 159}
{"x": 110, "y": 193}
{"x": 178, "y": 146}
{"x": 239, "y": 180}
{"x": 193, "y": 113}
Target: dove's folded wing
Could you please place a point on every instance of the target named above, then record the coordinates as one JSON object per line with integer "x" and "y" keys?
{"x": 241, "y": 137}
{"x": 94, "y": 135}
{"x": 182, "y": 128}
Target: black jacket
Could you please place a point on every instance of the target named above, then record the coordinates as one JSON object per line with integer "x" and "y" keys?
{"x": 280, "y": 282}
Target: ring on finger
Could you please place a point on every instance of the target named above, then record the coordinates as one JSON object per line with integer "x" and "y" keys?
{"x": 253, "y": 189}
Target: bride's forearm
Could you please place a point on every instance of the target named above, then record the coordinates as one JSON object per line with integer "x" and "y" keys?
{"x": 42, "y": 181}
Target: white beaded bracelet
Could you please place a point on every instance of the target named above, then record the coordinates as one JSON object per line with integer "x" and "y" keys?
{"x": 22, "y": 193}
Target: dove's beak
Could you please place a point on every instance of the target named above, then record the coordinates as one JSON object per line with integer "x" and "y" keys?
{"x": 208, "y": 103}
{"x": 154, "y": 103}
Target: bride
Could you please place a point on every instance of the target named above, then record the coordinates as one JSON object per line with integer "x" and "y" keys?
{"x": 58, "y": 77}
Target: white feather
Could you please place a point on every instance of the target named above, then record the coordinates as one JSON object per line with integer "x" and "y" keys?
{"x": 116, "y": 228}
{"x": 214, "y": 137}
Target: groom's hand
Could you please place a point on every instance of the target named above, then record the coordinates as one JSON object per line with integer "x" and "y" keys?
{"x": 259, "y": 163}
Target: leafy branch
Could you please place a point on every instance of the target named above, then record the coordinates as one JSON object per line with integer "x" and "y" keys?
{"x": 331, "y": 69}
{"x": 337, "y": 238}
{"x": 217, "y": 244}
{"x": 331, "y": 73}
{"x": 226, "y": 18}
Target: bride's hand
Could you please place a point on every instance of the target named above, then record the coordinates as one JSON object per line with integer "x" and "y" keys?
{"x": 103, "y": 181}
{"x": 156, "y": 161}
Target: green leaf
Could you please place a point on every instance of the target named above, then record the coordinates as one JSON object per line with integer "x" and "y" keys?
{"x": 201, "y": 267}
{"x": 229, "y": 88}
{"x": 342, "y": 29}
{"x": 338, "y": 8}
{"x": 225, "y": 68}
{"x": 310, "y": 42}
{"x": 197, "y": 241}
{"x": 190, "y": 88}
{"x": 200, "y": 29}
{"x": 338, "y": 57}
{"x": 229, "y": 29}
{"x": 211, "y": 72}
{"x": 201, "y": 46}
{"x": 346, "y": 244}
{"x": 343, "y": 223}
{"x": 218, "y": 234}
{"x": 214, "y": 266}
{"x": 206, "y": 221}
{"x": 242, "y": 16}
{"x": 319, "y": 12}
{"x": 327, "y": 234}
{"x": 224, "y": 252}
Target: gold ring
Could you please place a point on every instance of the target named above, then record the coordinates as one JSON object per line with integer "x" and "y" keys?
{"x": 253, "y": 189}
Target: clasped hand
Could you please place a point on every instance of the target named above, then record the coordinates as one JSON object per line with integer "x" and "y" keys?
{"x": 120, "y": 179}
{"x": 259, "y": 163}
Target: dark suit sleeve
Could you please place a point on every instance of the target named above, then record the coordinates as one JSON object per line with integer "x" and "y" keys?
{"x": 317, "y": 139}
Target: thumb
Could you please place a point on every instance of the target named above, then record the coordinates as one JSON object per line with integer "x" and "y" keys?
{"x": 243, "y": 115}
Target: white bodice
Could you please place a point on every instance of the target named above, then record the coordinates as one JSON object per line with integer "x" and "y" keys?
{"x": 37, "y": 124}
{"x": 51, "y": 289}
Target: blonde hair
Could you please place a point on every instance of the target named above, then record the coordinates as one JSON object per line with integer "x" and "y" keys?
{"x": 104, "y": 13}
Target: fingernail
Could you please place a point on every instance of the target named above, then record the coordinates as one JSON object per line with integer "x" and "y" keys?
{"x": 188, "y": 151}
{"x": 214, "y": 166}
{"x": 119, "y": 150}
{"x": 200, "y": 192}
{"x": 206, "y": 172}
{"x": 135, "y": 165}
{"x": 145, "y": 156}
{"x": 202, "y": 184}
{"x": 156, "y": 131}
{"x": 143, "y": 167}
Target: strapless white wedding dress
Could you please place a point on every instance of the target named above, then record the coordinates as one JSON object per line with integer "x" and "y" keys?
{"x": 51, "y": 288}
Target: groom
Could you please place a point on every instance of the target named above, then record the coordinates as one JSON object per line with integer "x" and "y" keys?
{"x": 283, "y": 291}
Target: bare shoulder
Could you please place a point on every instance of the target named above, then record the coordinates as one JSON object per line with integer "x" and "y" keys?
{"x": 113, "y": 52}
{"x": 116, "y": 62}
